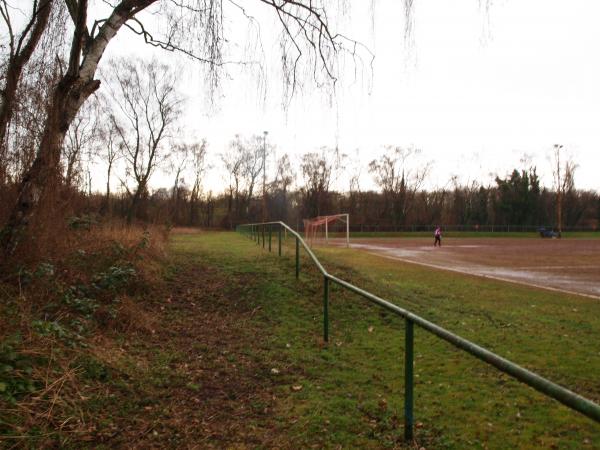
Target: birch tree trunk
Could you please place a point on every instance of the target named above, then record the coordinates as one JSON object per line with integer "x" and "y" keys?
{"x": 17, "y": 60}
{"x": 69, "y": 95}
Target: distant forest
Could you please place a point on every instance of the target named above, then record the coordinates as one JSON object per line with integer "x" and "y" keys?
{"x": 516, "y": 202}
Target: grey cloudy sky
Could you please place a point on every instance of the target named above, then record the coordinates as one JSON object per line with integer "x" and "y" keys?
{"x": 476, "y": 90}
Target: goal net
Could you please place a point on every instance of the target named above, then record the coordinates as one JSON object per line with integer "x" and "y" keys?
{"x": 323, "y": 227}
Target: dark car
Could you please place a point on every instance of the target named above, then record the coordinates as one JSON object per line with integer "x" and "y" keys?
{"x": 545, "y": 233}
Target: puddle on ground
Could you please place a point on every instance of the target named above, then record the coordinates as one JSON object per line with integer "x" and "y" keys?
{"x": 422, "y": 255}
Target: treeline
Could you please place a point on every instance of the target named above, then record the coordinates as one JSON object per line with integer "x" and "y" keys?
{"x": 255, "y": 193}
{"x": 508, "y": 203}
{"x": 516, "y": 201}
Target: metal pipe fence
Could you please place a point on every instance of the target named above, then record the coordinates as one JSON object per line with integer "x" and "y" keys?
{"x": 259, "y": 232}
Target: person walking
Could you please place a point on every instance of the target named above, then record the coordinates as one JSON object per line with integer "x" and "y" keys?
{"x": 438, "y": 236}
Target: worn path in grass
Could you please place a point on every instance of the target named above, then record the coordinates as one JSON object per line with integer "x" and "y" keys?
{"x": 236, "y": 358}
{"x": 195, "y": 380}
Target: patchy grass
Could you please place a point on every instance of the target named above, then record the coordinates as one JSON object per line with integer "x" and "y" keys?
{"x": 226, "y": 352}
{"x": 351, "y": 392}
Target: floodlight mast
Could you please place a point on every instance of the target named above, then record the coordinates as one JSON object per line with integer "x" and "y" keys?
{"x": 264, "y": 186}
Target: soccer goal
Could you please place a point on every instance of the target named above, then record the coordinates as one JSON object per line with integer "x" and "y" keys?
{"x": 319, "y": 228}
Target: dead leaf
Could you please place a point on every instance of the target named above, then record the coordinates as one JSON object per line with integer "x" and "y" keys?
{"x": 371, "y": 329}
{"x": 296, "y": 388}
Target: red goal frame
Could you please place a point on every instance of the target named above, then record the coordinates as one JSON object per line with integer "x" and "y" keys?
{"x": 312, "y": 226}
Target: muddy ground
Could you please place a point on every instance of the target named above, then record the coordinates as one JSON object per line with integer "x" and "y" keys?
{"x": 568, "y": 265}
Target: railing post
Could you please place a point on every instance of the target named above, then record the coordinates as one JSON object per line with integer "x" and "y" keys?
{"x": 270, "y": 233}
{"x": 408, "y": 380}
{"x": 279, "y": 240}
{"x": 297, "y": 258}
{"x": 326, "y": 309}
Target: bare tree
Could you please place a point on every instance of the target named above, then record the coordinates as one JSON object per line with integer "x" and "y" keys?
{"x": 284, "y": 176}
{"x": 319, "y": 170}
{"x": 198, "y": 163}
{"x": 399, "y": 180}
{"x": 82, "y": 135}
{"x": 111, "y": 150}
{"x": 244, "y": 162}
{"x": 233, "y": 162}
{"x": 563, "y": 173}
{"x": 279, "y": 189}
{"x": 254, "y": 163}
{"x": 179, "y": 158}
{"x": 149, "y": 105}
{"x": 192, "y": 27}
{"x": 21, "y": 46}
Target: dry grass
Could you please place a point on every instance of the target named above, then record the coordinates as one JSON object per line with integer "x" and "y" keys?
{"x": 55, "y": 305}
{"x": 187, "y": 230}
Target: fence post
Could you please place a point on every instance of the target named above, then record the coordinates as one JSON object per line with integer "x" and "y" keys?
{"x": 270, "y": 233}
{"x": 297, "y": 258}
{"x": 263, "y": 236}
{"x": 326, "y": 309}
{"x": 279, "y": 240}
{"x": 408, "y": 380}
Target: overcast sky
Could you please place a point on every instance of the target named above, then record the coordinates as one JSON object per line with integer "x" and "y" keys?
{"x": 475, "y": 90}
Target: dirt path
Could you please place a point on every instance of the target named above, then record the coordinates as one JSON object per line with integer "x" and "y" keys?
{"x": 201, "y": 386}
{"x": 568, "y": 266}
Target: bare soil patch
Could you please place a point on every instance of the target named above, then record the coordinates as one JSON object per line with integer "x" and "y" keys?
{"x": 202, "y": 387}
{"x": 572, "y": 266}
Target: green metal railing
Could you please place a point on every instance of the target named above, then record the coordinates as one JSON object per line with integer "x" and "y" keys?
{"x": 262, "y": 231}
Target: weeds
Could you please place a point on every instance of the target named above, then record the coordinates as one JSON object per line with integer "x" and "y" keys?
{"x": 15, "y": 370}
{"x": 52, "y": 309}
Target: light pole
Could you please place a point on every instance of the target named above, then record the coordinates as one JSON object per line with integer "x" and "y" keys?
{"x": 264, "y": 166}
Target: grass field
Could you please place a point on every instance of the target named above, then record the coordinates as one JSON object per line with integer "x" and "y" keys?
{"x": 350, "y": 394}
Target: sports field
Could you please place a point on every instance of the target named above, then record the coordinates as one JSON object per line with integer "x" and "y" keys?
{"x": 565, "y": 265}
{"x": 351, "y": 392}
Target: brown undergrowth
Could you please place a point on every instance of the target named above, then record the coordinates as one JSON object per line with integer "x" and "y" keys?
{"x": 115, "y": 345}
{"x": 54, "y": 306}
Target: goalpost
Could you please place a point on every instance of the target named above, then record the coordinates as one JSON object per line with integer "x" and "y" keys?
{"x": 321, "y": 224}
